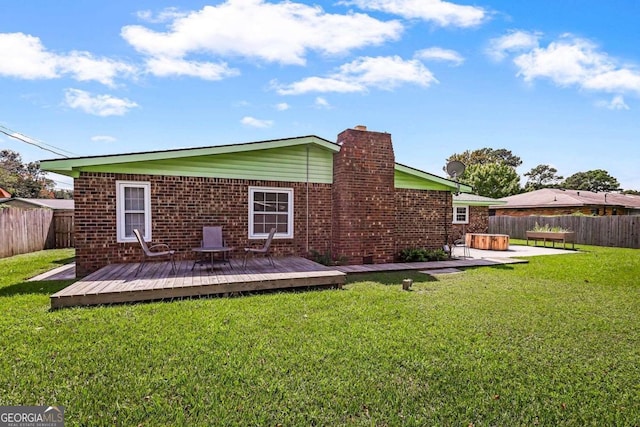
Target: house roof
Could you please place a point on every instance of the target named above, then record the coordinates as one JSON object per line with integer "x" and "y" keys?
{"x": 475, "y": 200}
{"x": 4, "y": 193}
{"x": 554, "y": 197}
{"x": 55, "y": 204}
{"x": 73, "y": 166}
{"x": 287, "y": 159}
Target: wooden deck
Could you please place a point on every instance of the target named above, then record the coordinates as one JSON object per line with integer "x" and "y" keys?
{"x": 117, "y": 283}
{"x": 428, "y": 265}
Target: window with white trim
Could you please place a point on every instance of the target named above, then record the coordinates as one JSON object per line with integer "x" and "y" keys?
{"x": 268, "y": 208}
{"x": 133, "y": 209}
{"x": 461, "y": 214}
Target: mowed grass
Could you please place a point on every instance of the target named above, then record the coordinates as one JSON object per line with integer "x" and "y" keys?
{"x": 554, "y": 342}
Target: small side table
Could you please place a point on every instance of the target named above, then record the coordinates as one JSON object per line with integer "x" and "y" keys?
{"x": 212, "y": 250}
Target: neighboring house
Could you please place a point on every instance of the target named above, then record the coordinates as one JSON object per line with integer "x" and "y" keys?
{"x": 349, "y": 199}
{"x": 55, "y": 204}
{"x": 471, "y": 213}
{"x": 553, "y": 201}
{"x": 4, "y": 194}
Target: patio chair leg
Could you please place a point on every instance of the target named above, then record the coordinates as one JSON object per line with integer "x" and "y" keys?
{"x": 244, "y": 261}
{"x": 139, "y": 268}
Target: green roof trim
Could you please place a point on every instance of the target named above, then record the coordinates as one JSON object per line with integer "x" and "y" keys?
{"x": 300, "y": 159}
{"x": 282, "y": 160}
{"x": 411, "y": 178}
{"x": 465, "y": 199}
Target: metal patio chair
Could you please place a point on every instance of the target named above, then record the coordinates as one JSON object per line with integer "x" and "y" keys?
{"x": 153, "y": 252}
{"x": 263, "y": 250}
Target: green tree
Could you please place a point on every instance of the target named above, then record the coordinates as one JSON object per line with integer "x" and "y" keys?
{"x": 542, "y": 176}
{"x": 487, "y": 155}
{"x": 593, "y": 180}
{"x": 23, "y": 179}
{"x": 491, "y": 172}
{"x": 493, "y": 179}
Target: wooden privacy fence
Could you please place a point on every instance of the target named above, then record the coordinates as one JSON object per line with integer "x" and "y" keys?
{"x": 621, "y": 231}
{"x": 29, "y": 230}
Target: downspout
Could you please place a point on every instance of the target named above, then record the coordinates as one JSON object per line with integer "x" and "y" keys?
{"x": 447, "y": 208}
{"x": 307, "y": 203}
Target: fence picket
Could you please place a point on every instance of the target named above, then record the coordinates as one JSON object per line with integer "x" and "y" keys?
{"x": 616, "y": 231}
{"x": 29, "y": 230}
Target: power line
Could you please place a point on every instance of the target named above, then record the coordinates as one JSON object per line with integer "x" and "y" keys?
{"x": 32, "y": 141}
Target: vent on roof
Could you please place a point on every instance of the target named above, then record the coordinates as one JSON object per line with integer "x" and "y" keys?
{"x": 360, "y": 127}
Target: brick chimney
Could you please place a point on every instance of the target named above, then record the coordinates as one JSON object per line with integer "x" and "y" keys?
{"x": 363, "y": 197}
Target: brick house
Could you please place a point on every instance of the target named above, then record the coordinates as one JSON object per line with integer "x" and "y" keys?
{"x": 350, "y": 199}
{"x": 471, "y": 214}
{"x": 555, "y": 201}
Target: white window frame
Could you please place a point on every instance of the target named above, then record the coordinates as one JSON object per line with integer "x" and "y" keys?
{"x": 466, "y": 214}
{"x": 120, "y": 211}
{"x": 289, "y": 192}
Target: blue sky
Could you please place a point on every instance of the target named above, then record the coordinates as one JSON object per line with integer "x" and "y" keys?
{"x": 556, "y": 82}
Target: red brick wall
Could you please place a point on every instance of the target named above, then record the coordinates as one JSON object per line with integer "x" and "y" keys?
{"x": 423, "y": 218}
{"x": 478, "y": 222}
{"x": 363, "y": 198}
{"x": 180, "y": 206}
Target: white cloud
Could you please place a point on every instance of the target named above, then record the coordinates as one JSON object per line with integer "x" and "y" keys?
{"x": 165, "y": 15}
{"x": 25, "y": 57}
{"x": 103, "y": 138}
{"x": 619, "y": 80}
{"x": 321, "y": 102}
{"x": 440, "y": 54}
{"x": 273, "y": 32}
{"x": 98, "y": 105}
{"x": 441, "y": 12}
{"x": 616, "y": 103}
{"x": 385, "y": 72}
{"x": 515, "y": 41}
{"x": 256, "y": 123}
{"x": 165, "y": 66}
{"x": 574, "y": 61}
{"x": 565, "y": 62}
{"x": 282, "y": 106}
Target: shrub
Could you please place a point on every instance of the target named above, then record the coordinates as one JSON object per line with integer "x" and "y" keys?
{"x": 422, "y": 254}
{"x": 548, "y": 228}
{"x": 326, "y": 258}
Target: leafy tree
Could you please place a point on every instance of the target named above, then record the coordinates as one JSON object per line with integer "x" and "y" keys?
{"x": 491, "y": 172}
{"x": 493, "y": 179}
{"x": 632, "y": 192}
{"x": 63, "y": 194}
{"x": 23, "y": 179}
{"x": 487, "y": 155}
{"x": 542, "y": 176}
{"x": 593, "y": 180}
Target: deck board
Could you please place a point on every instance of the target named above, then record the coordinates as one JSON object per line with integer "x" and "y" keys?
{"x": 117, "y": 283}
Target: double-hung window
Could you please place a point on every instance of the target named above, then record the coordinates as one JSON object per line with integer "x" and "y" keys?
{"x": 133, "y": 205}
{"x": 461, "y": 214}
{"x": 269, "y": 208}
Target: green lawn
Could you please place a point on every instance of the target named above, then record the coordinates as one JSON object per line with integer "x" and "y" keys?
{"x": 553, "y": 342}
